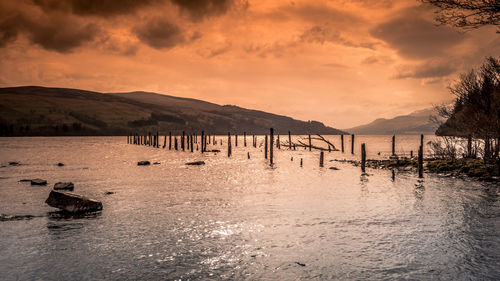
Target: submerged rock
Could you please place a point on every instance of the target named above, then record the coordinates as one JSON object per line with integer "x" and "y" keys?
{"x": 109, "y": 192}
{"x": 24, "y": 180}
{"x": 196, "y": 163}
{"x": 14, "y": 163}
{"x": 38, "y": 182}
{"x": 143, "y": 163}
{"x": 333, "y": 168}
{"x": 60, "y": 164}
{"x": 156, "y": 163}
{"x": 73, "y": 203}
{"x": 64, "y": 186}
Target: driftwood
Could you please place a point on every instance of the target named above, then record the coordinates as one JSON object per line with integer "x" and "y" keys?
{"x": 301, "y": 143}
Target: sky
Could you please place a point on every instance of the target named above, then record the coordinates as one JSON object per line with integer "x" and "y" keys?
{"x": 340, "y": 62}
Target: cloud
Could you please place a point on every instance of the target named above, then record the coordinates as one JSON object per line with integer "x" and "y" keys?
{"x": 58, "y": 33}
{"x": 432, "y": 69}
{"x": 159, "y": 33}
{"x": 416, "y": 37}
{"x": 94, "y": 7}
{"x": 199, "y": 9}
{"x": 322, "y": 34}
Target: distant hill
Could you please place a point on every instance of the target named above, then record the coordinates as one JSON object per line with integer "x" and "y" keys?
{"x": 418, "y": 122}
{"x": 33, "y": 110}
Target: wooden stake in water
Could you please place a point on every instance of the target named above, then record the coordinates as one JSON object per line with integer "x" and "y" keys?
{"x": 352, "y": 144}
{"x": 165, "y": 141}
{"x": 321, "y": 158}
{"x": 248, "y": 155}
{"x": 265, "y": 148}
{"x": 342, "y": 142}
{"x": 202, "y": 141}
{"x": 245, "y": 139}
{"x": 228, "y": 144}
{"x": 271, "y": 139}
{"x": 182, "y": 141}
{"x": 278, "y": 145}
{"x": 394, "y": 145}
{"x": 421, "y": 162}
{"x": 169, "y": 140}
{"x": 191, "y": 143}
{"x": 310, "y": 144}
{"x": 175, "y": 143}
{"x": 235, "y": 140}
{"x": 363, "y": 157}
{"x": 289, "y": 140}
{"x": 300, "y": 162}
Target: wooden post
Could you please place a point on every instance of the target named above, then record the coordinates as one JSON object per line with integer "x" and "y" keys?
{"x": 202, "y": 141}
{"x": 411, "y": 154}
{"x": 271, "y": 139}
{"x": 300, "y": 162}
{"x": 191, "y": 143}
{"x": 175, "y": 143}
{"x": 182, "y": 141}
{"x": 265, "y": 148}
{"x": 289, "y": 140}
{"x": 149, "y": 138}
{"x": 169, "y": 140}
{"x": 394, "y": 145}
{"x": 352, "y": 144}
{"x": 235, "y": 140}
{"x": 342, "y": 142}
{"x": 310, "y": 144}
{"x": 254, "y": 141}
{"x": 228, "y": 144}
{"x": 421, "y": 162}
{"x": 363, "y": 157}
{"x": 248, "y": 155}
{"x": 157, "y": 139}
{"x": 321, "y": 158}
{"x": 278, "y": 145}
{"x": 245, "y": 139}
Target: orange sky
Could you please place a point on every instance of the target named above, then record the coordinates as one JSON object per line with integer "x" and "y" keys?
{"x": 342, "y": 62}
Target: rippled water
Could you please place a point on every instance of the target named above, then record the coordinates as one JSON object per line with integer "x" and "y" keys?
{"x": 240, "y": 219}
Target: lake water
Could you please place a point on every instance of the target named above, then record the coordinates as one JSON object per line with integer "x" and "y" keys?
{"x": 237, "y": 218}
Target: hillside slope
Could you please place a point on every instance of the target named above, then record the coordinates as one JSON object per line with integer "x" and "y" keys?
{"x": 33, "y": 110}
{"x": 418, "y": 122}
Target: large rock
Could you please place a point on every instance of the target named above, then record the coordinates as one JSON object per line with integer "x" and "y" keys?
{"x": 64, "y": 186}
{"x": 38, "y": 182}
{"x": 73, "y": 203}
{"x": 143, "y": 163}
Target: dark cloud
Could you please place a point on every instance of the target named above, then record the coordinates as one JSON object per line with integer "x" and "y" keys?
{"x": 199, "y": 9}
{"x": 94, "y": 7}
{"x": 159, "y": 33}
{"x": 414, "y": 36}
{"x": 427, "y": 70}
{"x": 58, "y": 33}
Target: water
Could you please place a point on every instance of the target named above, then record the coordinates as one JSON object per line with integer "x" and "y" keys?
{"x": 238, "y": 218}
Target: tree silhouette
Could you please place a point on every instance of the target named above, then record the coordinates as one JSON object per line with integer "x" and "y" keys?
{"x": 467, "y": 14}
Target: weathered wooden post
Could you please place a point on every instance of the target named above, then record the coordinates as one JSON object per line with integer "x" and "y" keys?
{"x": 300, "y": 162}
{"x": 248, "y": 155}
{"x": 182, "y": 140}
{"x": 329, "y": 148}
{"x": 411, "y": 154}
{"x": 254, "y": 141}
{"x": 265, "y": 148}
{"x": 271, "y": 139}
{"x": 394, "y": 145}
{"x": 176, "y": 147}
{"x": 228, "y": 144}
{"x": 245, "y": 139}
{"x": 165, "y": 141}
{"x": 421, "y": 162}
{"x": 202, "y": 141}
{"x": 310, "y": 144}
{"x": 352, "y": 144}
{"x": 191, "y": 143}
{"x": 321, "y": 158}
{"x": 169, "y": 140}
{"x": 289, "y": 140}
{"x": 235, "y": 140}
{"x": 157, "y": 139}
{"x": 363, "y": 157}
{"x": 278, "y": 145}
{"x": 342, "y": 142}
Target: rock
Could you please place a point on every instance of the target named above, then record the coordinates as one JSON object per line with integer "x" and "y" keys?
{"x": 143, "y": 163}
{"x": 60, "y": 164}
{"x": 156, "y": 163}
{"x": 24, "y": 180}
{"x": 64, "y": 186}
{"x": 73, "y": 203}
{"x": 109, "y": 192}
{"x": 213, "y": 150}
{"x": 14, "y": 163}
{"x": 334, "y": 168}
{"x": 38, "y": 182}
{"x": 196, "y": 163}
{"x": 4, "y": 217}
{"x": 301, "y": 264}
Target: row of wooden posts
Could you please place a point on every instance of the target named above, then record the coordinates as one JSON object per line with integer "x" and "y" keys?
{"x": 187, "y": 142}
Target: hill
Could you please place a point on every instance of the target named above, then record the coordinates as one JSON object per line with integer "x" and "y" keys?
{"x": 33, "y": 110}
{"x": 418, "y": 122}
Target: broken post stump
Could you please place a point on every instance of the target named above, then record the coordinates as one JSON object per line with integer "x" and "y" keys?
{"x": 73, "y": 203}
